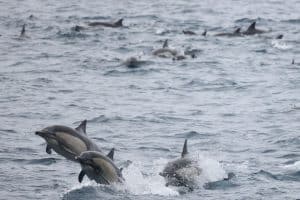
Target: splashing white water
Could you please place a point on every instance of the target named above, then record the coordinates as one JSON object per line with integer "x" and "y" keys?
{"x": 293, "y": 167}
{"x": 280, "y": 45}
{"x": 140, "y": 179}
{"x": 139, "y": 184}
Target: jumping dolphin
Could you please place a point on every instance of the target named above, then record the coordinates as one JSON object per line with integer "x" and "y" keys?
{"x": 99, "y": 167}
{"x": 118, "y": 23}
{"x": 66, "y": 141}
{"x": 252, "y": 30}
{"x": 237, "y": 32}
{"x": 181, "y": 172}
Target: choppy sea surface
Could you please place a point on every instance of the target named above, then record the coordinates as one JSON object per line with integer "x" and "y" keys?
{"x": 237, "y": 102}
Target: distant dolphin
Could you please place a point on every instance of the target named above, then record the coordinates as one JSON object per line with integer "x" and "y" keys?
{"x": 116, "y": 24}
{"x": 179, "y": 171}
{"x": 188, "y": 32}
{"x": 99, "y": 167}
{"x": 252, "y": 30}
{"x": 166, "y": 52}
{"x": 279, "y": 37}
{"x": 293, "y": 61}
{"x": 204, "y": 32}
{"x": 66, "y": 141}
{"x": 237, "y": 32}
{"x": 134, "y": 62}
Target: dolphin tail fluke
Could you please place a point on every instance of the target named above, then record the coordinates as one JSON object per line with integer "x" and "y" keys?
{"x": 80, "y": 176}
{"x": 82, "y": 127}
{"x": 251, "y": 27}
{"x": 184, "y": 150}
{"x": 166, "y": 45}
{"x": 111, "y": 154}
{"x": 119, "y": 22}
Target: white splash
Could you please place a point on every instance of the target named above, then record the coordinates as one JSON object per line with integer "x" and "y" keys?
{"x": 293, "y": 167}
{"x": 211, "y": 170}
{"x": 139, "y": 184}
{"x": 280, "y": 45}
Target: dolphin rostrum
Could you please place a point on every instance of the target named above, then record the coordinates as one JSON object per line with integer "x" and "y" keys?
{"x": 67, "y": 141}
{"x": 182, "y": 171}
{"x": 99, "y": 167}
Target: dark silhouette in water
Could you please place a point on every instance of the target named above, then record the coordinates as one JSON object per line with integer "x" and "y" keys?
{"x": 279, "y": 37}
{"x": 23, "y": 31}
{"x": 293, "y": 62}
{"x": 116, "y": 24}
{"x": 204, "y": 32}
{"x": 188, "y": 32}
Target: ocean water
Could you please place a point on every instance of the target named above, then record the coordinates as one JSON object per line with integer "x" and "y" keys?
{"x": 237, "y": 102}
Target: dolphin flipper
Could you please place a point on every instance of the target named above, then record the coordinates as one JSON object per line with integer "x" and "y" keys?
{"x": 80, "y": 176}
{"x": 48, "y": 149}
{"x": 82, "y": 127}
{"x": 184, "y": 150}
{"x": 111, "y": 154}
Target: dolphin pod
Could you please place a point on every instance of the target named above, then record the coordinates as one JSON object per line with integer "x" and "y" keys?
{"x": 178, "y": 172}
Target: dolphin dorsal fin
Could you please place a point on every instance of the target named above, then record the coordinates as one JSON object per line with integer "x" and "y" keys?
{"x": 204, "y": 32}
{"x": 251, "y": 27}
{"x": 238, "y": 30}
{"x": 166, "y": 45}
{"x": 184, "y": 150}
{"x": 111, "y": 154}
{"x": 82, "y": 127}
{"x": 23, "y": 30}
{"x": 119, "y": 22}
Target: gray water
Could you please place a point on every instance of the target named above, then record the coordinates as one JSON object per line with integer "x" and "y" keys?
{"x": 237, "y": 103}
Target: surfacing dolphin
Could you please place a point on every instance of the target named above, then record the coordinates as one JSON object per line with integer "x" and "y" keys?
{"x": 67, "y": 141}
{"x": 99, "y": 167}
{"x": 236, "y": 33}
{"x": 116, "y": 24}
{"x": 166, "y": 52}
{"x": 182, "y": 171}
{"x": 252, "y": 30}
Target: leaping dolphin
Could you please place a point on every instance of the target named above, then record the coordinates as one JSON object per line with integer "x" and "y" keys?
{"x": 181, "y": 171}
{"x": 252, "y": 30}
{"x": 99, "y": 167}
{"x": 116, "y": 24}
{"x": 67, "y": 141}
